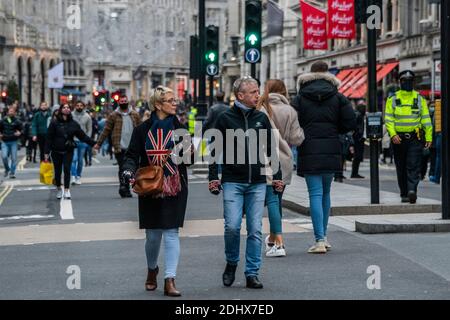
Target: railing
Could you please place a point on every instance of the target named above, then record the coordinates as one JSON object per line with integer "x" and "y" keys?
{"x": 416, "y": 45}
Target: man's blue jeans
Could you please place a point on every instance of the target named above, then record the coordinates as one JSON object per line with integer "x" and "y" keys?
{"x": 9, "y": 149}
{"x": 319, "y": 188}
{"x": 237, "y": 197}
{"x": 274, "y": 202}
{"x": 78, "y": 159}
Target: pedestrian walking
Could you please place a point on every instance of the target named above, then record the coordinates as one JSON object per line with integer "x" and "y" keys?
{"x": 359, "y": 139}
{"x": 60, "y": 146}
{"x": 120, "y": 125}
{"x": 409, "y": 125}
{"x": 10, "y": 131}
{"x": 215, "y": 111}
{"x": 41, "y": 121}
{"x": 162, "y": 215}
{"x": 31, "y": 145}
{"x": 283, "y": 117}
{"x": 243, "y": 182}
{"x": 80, "y": 116}
{"x": 324, "y": 113}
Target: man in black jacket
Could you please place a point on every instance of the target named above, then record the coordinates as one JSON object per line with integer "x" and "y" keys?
{"x": 10, "y": 132}
{"x": 358, "y": 139}
{"x": 244, "y": 178}
{"x": 215, "y": 111}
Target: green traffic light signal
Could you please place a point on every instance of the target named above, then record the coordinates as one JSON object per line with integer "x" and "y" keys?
{"x": 211, "y": 56}
{"x": 252, "y": 38}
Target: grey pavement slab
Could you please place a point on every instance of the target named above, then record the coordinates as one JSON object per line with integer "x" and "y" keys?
{"x": 355, "y": 200}
{"x": 116, "y": 270}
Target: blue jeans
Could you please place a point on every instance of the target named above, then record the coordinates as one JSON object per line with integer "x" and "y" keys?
{"x": 319, "y": 188}
{"x": 437, "y": 171}
{"x": 171, "y": 246}
{"x": 78, "y": 159}
{"x": 236, "y": 198}
{"x": 273, "y": 202}
{"x": 9, "y": 149}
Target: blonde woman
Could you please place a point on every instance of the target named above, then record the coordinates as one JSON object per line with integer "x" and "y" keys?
{"x": 284, "y": 118}
{"x": 163, "y": 215}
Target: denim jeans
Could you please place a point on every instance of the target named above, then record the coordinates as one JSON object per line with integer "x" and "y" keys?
{"x": 78, "y": 159}
{"x": 236, "y": 198}
{"x": 319, "y": 187}
{"x": 171, "y": 246}
{"x": 273, "y": 202}
{"x": 9, "y": 149}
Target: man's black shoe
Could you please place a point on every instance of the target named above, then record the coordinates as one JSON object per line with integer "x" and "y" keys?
{"x": 405, "y": 200}
{"x": 229, "y": 275}
{"x": 125, "y": 193}
{"x": 357, "y": 176}
{"x": 412, "y": 196}
{"x": 254, "y": 283}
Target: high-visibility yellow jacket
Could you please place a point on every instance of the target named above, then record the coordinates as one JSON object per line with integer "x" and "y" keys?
{"x": 407, "y": 111}
{"x": 191, "y": 119}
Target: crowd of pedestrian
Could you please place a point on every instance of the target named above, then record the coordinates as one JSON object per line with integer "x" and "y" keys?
{"x": 312, "y": 135}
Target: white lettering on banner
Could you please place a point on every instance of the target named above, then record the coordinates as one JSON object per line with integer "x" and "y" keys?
{"x": 343, "y": 6}
{"x": 341, "y": 33}
{"x": 315, "y": 19}
{"x": 343, "y": 19}
{"x": 316, "y": 44}
{"x": 317, "y": 32}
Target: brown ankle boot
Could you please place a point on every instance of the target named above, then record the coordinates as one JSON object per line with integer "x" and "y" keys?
{"x": 169, "y": 288}
{"x": 151, "y": 284}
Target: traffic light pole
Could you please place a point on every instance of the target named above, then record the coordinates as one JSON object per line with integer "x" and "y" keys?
{"x": 445, "y": 52}
{"x": 372, "y": 77}
{"x": 253, "y": 70}
{"x": 202, "y": 38}
{"x": 211, "y": 91}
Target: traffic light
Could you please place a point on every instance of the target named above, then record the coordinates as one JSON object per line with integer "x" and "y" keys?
{"x": 4, "y": 96}
{"x": 101, "y": 97}
{"x": 253, "y": 20}
{"x": 212, "y": 50}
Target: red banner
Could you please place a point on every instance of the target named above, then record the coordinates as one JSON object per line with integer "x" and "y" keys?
{"x": 341, "y": 19}
{"x": 314, "y": 27}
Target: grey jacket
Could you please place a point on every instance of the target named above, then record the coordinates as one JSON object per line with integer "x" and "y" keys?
{"x": 84, "y": 120}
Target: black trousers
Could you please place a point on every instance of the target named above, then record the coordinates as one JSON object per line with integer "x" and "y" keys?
{"x": 42, "y": 139}
{"x": 408, "y": 162}
{"x": 359, "y": 157}
{"x": 60, "y": 161}
{"x": 124, "y": 187}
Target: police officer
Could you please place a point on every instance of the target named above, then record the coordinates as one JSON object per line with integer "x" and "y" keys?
{"x": 409, "y": 125}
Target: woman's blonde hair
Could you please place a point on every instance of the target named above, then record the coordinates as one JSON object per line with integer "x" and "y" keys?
{"x": 158, "y": 96}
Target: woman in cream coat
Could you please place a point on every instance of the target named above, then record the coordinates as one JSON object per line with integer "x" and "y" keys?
{"x": 283, "y": 117}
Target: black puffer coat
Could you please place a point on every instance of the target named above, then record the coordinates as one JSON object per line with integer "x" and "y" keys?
{"x": 323, "y": 114}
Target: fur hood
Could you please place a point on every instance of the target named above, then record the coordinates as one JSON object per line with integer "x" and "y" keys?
{"x": 308, "y": 77}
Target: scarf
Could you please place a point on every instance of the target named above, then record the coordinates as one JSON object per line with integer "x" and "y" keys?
{"x": 158, "y": 146}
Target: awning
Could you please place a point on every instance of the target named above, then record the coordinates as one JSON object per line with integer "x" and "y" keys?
{"x": 355, "y": 82}
{"x": 73, "y": 92}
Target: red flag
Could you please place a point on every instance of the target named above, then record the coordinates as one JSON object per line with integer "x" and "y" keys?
{"x": 314, "y": 27}
{"x": 341, "y": 19}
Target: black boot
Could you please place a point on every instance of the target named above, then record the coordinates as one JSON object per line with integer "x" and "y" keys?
{"x": 355, "y": 170}
{"x": 229, "y": 275}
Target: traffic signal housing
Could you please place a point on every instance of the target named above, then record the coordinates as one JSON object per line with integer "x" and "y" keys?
{"x": 253, "y": 22}
{"x": 212, "y": 46}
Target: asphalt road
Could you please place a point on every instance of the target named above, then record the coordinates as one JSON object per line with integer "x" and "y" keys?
{"x": 39, "y": 251}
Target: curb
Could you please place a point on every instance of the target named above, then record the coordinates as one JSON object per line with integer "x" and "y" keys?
{"x": 368, "y": 209}
{"x": 380, "y": 228}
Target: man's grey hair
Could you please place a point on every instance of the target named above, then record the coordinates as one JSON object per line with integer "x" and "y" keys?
{"x": 239, "y": 83}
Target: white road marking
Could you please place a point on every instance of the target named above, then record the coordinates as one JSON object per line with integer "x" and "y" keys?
{"x": 27, "y": 217}
{"x": 66, "y": 210}
{"x": 36, "y": 189}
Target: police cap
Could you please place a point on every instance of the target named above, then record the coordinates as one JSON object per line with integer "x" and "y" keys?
{"x": 407, "y": 74}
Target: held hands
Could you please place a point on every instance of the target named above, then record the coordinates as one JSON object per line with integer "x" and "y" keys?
{"x": 97, "y": 147}
{"x": 396, "y": 140}
{"x": 278, "y": 186}
{"x": 215, "y": 187}
{"x": 128, "y": 177}
{"x": 17, "y": 133}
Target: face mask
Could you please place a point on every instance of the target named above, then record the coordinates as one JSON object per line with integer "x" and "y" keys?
{"x": 407, "y": 85}
{"x": 124, "y": 106}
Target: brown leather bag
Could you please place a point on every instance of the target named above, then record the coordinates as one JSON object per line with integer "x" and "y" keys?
{"x": 149, "y": 181}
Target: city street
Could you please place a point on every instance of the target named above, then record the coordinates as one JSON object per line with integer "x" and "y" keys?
{"x": 41, "y": 244}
